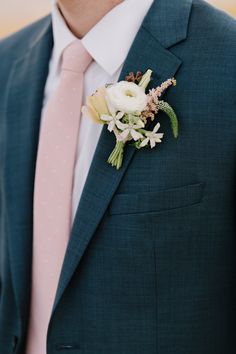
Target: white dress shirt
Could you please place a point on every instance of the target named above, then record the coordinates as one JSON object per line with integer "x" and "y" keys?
{"x": 108, "y": 42}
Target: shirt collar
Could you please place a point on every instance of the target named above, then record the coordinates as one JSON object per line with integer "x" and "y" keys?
{"x": 109, "y": 41}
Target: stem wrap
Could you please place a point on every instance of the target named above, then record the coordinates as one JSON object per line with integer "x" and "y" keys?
{"x": 116, "y": 157}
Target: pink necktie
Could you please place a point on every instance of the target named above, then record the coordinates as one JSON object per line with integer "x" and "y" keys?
{"x": 53, "y": 191}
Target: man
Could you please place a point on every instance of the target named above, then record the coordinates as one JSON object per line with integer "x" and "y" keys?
{"x": 144, "y": 260}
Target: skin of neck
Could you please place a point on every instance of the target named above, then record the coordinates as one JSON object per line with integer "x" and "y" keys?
{"x": 82, "y": 15}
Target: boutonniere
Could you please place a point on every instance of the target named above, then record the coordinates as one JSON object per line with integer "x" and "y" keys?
{"x": 126, "y": 109}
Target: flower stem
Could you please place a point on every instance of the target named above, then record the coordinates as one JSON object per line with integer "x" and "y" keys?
{"x": 116, "y": 157}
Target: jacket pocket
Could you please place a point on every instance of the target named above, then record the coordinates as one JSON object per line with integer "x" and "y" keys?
{"x": 157, "y": 201}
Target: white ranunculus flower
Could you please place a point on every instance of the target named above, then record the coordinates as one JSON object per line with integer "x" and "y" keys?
{"x": 127, "y": 97}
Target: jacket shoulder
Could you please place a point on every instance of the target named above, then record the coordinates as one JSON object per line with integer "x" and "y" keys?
{"x": 215, "y": 23}
{"x": 17, "y": 43}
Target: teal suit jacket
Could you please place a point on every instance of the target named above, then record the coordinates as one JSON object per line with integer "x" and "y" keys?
{"x": 150, "y": 266}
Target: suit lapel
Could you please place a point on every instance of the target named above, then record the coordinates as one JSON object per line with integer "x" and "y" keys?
{"x": 26, "y": 87}
{"x": 164, "y": 26}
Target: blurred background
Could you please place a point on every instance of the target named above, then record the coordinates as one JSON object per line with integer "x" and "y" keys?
{"x": 15, "y": 14}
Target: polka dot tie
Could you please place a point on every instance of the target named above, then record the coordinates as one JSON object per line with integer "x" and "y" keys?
{"x": 53, "y": 191}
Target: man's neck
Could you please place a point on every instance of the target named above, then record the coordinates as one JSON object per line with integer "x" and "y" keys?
{"x": 82, "y": 15}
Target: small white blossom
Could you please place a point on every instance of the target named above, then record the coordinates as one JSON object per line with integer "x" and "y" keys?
{"x": 113, "y": 120}
{"x": 152, "y": 137}
{"x": 130, "y": 129}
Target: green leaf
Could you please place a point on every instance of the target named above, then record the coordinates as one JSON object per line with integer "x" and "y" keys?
{"x": 166, "y": 108}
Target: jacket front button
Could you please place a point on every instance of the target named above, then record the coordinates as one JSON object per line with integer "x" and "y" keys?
{"x": 14, "y": 343}
{"x": 67, "y": 347}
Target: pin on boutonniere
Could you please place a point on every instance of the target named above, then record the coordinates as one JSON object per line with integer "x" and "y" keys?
{"x": 126, "y": 109}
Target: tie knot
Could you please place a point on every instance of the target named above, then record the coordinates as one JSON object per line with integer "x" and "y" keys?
{"x": 75, "y": 58}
